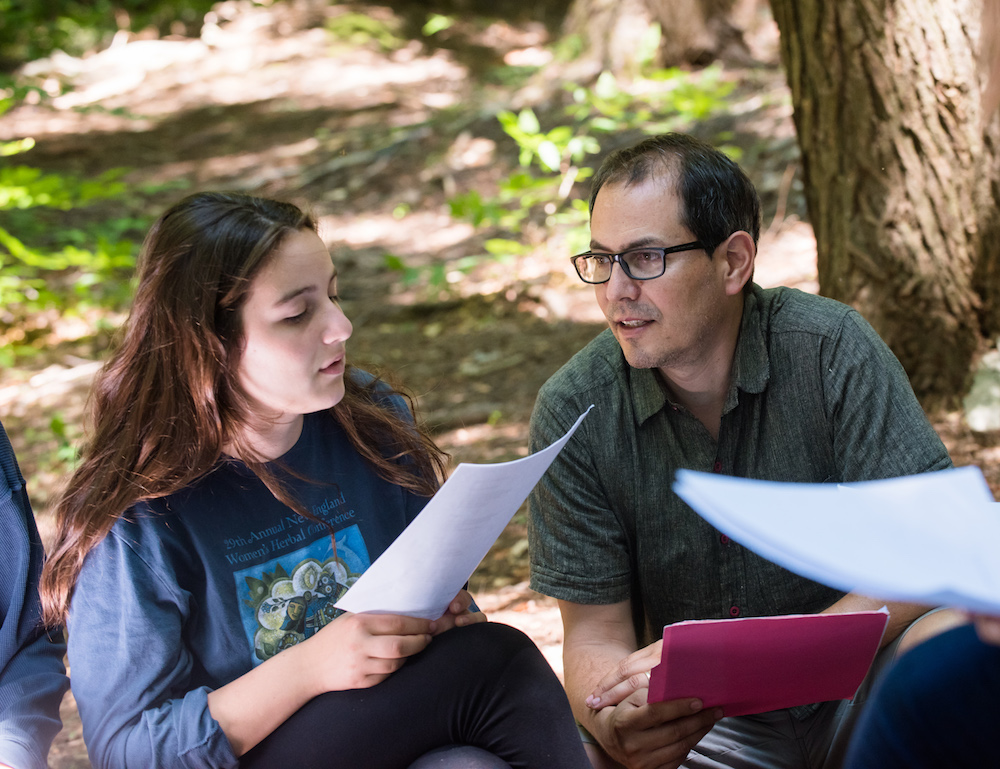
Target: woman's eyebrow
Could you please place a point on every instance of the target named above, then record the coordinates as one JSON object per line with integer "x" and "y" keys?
{"x": 294, "y": 293}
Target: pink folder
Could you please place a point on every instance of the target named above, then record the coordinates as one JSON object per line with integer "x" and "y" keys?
{"x": 755, "y": 664}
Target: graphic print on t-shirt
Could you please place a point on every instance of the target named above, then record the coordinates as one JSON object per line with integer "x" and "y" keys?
{"x": 289, "y": 598}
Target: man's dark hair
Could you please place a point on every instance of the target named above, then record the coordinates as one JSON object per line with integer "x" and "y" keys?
{"x": 717, "y": 197}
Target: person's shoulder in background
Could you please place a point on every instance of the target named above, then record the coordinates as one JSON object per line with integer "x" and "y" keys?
{"x": 32, "y": 676}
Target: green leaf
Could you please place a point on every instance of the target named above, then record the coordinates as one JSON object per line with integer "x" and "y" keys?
{"x": 606, "y": 86}
{"x": 527, "y": 121}
{"x": 393, "y": 262}
{"x": 436, "y": 23}
{"x": 550, "y": 156}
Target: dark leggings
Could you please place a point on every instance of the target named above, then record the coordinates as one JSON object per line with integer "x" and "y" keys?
{"x": 486, "y": 685}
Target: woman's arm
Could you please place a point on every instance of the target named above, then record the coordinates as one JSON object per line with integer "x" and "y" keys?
{"x": 355, "y": 651}
{"x": 132, "y": 673}
{"x": 368, "y": 649}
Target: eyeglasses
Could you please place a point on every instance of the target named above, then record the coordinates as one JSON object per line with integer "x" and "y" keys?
{"x": 639, "y": 263}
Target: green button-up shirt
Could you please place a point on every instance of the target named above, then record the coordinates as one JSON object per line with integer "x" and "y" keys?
{"x": 816, "y": 396}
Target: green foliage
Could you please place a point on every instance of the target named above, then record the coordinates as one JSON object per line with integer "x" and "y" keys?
{"x": 358, "y": 29}
{"x": 26, "y": 269}
{"x": 32, "y": 29}
{"x": 26, "y": 187}
{"x": 551, "y": 159}
{"x": 672, "y": 100}
{"x": 65, "y": 453}
{"x": 437, "y": 23}
{"x": 550, "y": 149}
{"x": 60, "y": 248}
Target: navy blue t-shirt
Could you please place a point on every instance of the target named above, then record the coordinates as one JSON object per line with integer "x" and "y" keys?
{"x": 191, "y": 591}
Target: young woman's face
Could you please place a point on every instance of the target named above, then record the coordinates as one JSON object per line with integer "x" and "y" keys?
{"x": 294, "y": 356}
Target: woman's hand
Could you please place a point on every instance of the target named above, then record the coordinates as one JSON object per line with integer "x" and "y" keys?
{"x": 357, "y": 651}
{"x": 458, "y": 614}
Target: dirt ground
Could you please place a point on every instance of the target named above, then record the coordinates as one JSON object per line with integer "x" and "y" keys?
{"x": 375, "y": 142}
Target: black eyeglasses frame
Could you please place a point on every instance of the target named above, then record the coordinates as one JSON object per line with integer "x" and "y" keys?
{"x": 692, "y": 246}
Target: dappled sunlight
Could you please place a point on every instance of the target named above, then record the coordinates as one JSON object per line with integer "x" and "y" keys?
{"x": 787, "y": 257}
{"x": 379, "y": 141}
{"x": 422, "y": 232}
{"x": 248, "y": 64}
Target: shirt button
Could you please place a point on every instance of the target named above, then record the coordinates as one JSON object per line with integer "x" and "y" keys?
{"x": 723, "y": 539}
{"x": 717, "y": 467}
{"x": 734, "y": 611}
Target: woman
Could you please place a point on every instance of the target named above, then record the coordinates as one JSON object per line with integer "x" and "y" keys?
{"x": 239, "y": 478}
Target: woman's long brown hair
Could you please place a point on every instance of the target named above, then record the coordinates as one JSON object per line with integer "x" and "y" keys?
{"x": 168, "y": 400}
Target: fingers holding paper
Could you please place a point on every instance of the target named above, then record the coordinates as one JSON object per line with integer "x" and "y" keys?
{"x": 368, "y": 649}
{"x": 458, "y": 614}
{"x": 627, "y": 677}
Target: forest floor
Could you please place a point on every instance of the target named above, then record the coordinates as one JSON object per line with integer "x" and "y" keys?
{"x": 375, "y": 142}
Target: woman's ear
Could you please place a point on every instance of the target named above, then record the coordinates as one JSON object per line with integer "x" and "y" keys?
{"x": 740, "y": 253}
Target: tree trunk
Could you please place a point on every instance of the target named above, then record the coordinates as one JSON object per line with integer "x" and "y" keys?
{"x": 692, "y": 31}
{"x": 901, "y": 181}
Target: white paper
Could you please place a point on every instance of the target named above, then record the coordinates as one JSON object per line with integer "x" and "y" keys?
{"x": 927, "y": 538}
{"x": 424, "y": 568}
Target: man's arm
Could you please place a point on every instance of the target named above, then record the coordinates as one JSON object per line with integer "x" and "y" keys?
{"x": 900, "y": 614}
{"x": 599, "y": 642}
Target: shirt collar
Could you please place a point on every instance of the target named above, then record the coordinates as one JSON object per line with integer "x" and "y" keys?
{"x": 751, "y": 366}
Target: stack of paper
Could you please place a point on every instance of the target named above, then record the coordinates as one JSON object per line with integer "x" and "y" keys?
{"x": 927, "y": 538}
{"x": 424, "y": 568}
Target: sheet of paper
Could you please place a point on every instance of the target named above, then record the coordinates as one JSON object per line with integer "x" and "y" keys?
{"x": 424, "y": 568}
{"x": 757, "y": 664}
{"x": 927, "y": 538}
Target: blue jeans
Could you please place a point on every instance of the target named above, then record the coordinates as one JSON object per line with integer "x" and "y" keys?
{"x": 939, "y": 706}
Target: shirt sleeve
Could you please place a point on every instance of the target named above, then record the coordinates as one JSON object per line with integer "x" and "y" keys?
{"x": 879, "y": 428}
{"x": 578, "y": 546}
{"x": 131, "y": 669}
{"x": 32, "y": 676}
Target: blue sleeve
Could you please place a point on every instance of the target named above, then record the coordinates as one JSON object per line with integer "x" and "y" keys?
{"x": 32, "y": 676}
{"x": 131, "y": 670}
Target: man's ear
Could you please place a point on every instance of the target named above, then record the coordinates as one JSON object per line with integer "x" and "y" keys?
{"x": 739, "y": 253}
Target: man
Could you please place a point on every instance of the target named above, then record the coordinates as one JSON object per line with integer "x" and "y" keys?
{"x": 700, "y": 369}
{"x": 32, "y": 676}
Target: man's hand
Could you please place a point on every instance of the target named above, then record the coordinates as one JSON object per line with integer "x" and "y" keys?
{"x": 627, "y": 677}
{"x": 607, "y": 684}
{"x": 458, "y": 614}
{"x": 653, "y": 736}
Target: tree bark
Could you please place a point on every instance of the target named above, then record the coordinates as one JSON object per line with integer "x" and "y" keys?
{"x": 901, "y": 179}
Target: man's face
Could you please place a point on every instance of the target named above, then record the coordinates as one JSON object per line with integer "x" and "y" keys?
{"x": 673, "y": 321}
